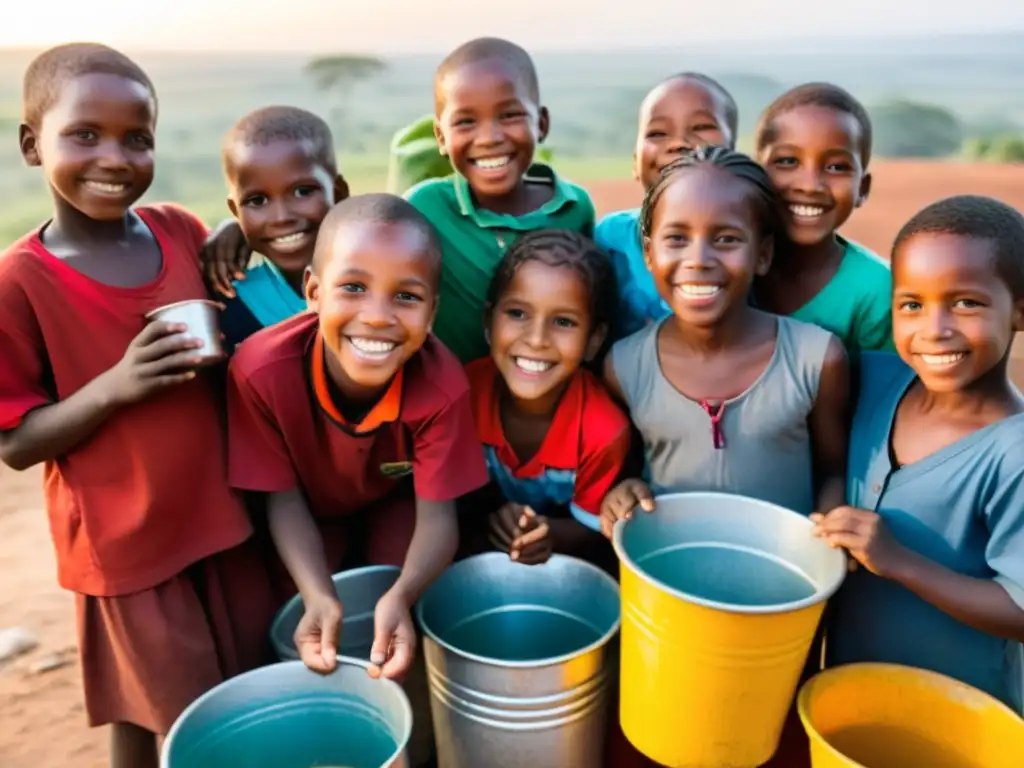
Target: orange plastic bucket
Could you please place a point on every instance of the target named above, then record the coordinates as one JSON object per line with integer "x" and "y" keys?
{"x": 890, "y": 716}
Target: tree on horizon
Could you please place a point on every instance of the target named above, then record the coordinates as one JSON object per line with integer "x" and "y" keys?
{"x": 338, "y": 75}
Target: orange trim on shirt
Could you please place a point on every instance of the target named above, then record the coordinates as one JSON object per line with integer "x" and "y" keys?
{"x": 387, "y": 408}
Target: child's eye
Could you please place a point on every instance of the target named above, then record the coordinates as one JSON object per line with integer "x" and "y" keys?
{"x": 306, "y": 191}
{"x": 405, "y": 296}
{"x": 463, "y": 122}
{"x": 967, "y": 304}
{"x": 675, "y": 238}
{"x": 705, "y": 127}
{"x": 513, "y": 115}
{"x": 655, "y": 134}
{"x": 784, "y": 162}
{"x": 86, "y": 135}
{"x": 255, "y": 201}
{"x": 352, "y": 288}
{"x": 839, "y": 168}
{"x": 143, "y": 140}
{"x": 728, "y": 239}
{"x": 565, "y": 322}
{"x": 515, "y": 314}
{"x": 909, "y": 306}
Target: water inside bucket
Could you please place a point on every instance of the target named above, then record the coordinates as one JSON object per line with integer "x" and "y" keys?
{"x": 521, "y": 633}
{"x": 728, "y": 574}
{"x": 889, "y": 746}
{"x": 305, "y": 733}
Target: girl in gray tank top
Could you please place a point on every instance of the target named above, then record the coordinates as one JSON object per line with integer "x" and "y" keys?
{"x": 727, "y": 397}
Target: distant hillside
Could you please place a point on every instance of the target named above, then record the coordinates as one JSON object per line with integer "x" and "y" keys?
{"x": 593, "y": 97}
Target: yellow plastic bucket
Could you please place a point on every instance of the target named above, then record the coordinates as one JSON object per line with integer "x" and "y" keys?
{"x": 889, "y": 716}
{"x": 721, "y": 597}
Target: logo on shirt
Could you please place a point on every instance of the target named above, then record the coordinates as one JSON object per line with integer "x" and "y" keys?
{"x": 396, "y": 468}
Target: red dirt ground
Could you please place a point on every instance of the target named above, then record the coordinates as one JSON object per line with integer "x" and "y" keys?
{"x": 41, "y": 718}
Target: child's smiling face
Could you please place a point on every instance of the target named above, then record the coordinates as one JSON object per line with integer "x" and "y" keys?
{"x": 540, "y": 331}
{"x": 280, "y": 193}
{"x": 814, "y": 156}
{"x": 954, "y": 317}
{"x": 489, "y": 123}
{"x": 95, "y": 144}
{"x": 677, "y": 115}
{"x": 705, "y": 245}
{"x": 374, "y": 287}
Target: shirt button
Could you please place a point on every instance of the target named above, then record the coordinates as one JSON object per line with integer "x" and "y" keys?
{"x": 876, "y": 488}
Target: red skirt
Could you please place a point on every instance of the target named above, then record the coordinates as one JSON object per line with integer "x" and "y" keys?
{"x": 148, "y": 655}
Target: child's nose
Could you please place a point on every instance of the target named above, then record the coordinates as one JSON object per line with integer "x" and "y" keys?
{"x": 112, "y": 156}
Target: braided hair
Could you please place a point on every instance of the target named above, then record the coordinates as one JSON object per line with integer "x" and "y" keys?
{"x": 561, "y": 248}
{"x": 739, "y": 165}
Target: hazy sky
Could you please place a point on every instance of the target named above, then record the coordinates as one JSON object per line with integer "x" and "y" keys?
{"x": 389, "y": 26}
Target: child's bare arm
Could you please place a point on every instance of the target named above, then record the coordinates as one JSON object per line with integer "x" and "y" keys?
{"x": 611, "y": 381}
{"x": 829, "y": 425}
{"x": 978, "y": 602}
{"x": 431, "y": 550}
{"x": 156, "y": 359}
{"x": 300, "y": 545}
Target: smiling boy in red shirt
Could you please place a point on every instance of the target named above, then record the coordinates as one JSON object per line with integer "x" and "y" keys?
{"x": 330, "y": 412}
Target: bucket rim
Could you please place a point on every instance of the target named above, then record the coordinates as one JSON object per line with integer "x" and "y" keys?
{"x": 821, "y": 594}
{"x": 288, "y": 653}
{"x": 348, "y": 661}
{"x": 803, "y": 698}
{"x": 549, "y": 661}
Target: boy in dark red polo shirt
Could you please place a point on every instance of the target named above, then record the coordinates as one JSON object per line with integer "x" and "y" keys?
{"x": 330, "y": 412}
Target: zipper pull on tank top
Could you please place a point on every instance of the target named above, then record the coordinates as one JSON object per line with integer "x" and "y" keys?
{"x": 715, "y": 410}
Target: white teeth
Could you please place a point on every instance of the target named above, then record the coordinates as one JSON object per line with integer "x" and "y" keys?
{"x": 699, "y": 291}
{"x": 107, "y": 189}
{"x": 490, "y": 163}
{"x": 372, "y": 348}
{"x": 806, "y": 211}
{"x": 532, "y": 366}
{"x": 941, "y": 360}
{"x": 289, "y": 239}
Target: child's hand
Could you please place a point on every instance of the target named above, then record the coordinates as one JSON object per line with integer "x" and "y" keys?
{"x": 864, "y": 535}
{"x": 394, "y": 637}
{"x": 533, "y": 545}
{"x": 225, "y": 256}
{"x": 503, "y": 526}
{"x": 622, "y": 500}
{"x": 162, "y": 356}
{"x": 318, "y": 634}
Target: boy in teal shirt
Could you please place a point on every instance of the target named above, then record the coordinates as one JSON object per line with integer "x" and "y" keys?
{"x": 936, "y": 462}
{"x": 488, "y": 121}
{"x": 815, "y": 143}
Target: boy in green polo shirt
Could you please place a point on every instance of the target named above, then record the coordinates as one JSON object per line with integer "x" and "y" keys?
{"x": 488, "y": 121}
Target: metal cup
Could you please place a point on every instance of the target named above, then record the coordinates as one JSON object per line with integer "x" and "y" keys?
{"x": 202, "y": 320}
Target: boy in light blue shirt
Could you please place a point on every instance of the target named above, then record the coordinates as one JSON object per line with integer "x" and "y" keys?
{"x": 681, "y": 112}
{"x": 936, "y": 462}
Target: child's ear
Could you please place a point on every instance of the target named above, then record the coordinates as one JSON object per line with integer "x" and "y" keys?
{"x": 864, "y": 191}
{"x": 543, "y": 124}
{"x": 311, "y": 289}
{"x": 439, "y": 135}
{"x": 1018, "y": 315}
{"x": 488, "y": 317}
{"x": 764, "y": 256}
{"x": 232, "y": 206}
{"x": 647, "y": 251}
{"x": 595, "y": 341}
{"x": 341, "y": 191}
{"x": 29, "y": 145}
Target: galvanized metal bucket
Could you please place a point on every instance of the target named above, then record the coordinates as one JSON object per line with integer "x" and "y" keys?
{"x": 288, "y": 715}
{"x": 358, "y": 590}
{"x": 518, "y": 661}
{"x": 721, "y": 597}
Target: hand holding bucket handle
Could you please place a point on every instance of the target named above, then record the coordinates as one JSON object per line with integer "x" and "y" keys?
{"x": 622, "y": 500}
{"x": 394, "y": 637}
{"x": 318, "y": 634}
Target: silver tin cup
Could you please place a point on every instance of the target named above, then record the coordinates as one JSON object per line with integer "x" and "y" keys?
{"x": 202, "y": 318}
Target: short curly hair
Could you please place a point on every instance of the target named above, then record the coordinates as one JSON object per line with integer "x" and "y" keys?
{"x": 484, "y": 49}
{"x": 824, "y": 95}
{"x": 978, "y": 217}
{"x": 269, "y": 124}
{"x": 51, "y": 70}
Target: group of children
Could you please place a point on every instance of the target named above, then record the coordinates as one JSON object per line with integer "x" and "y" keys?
{"x": 478, "y": 366}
